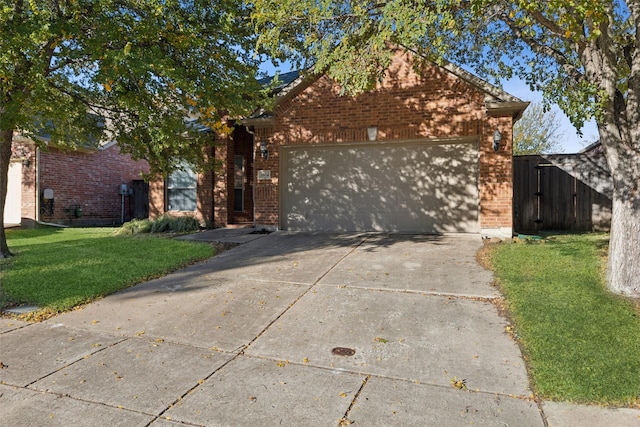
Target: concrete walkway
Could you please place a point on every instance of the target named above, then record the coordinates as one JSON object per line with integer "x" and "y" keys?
{"x": 287, "y": 329}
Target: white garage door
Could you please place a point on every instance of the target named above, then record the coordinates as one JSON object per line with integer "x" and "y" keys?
{"x": 416, "y": 187}
{"x": 13, "y": 204}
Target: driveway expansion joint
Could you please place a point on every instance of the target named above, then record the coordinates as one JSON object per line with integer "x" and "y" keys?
{"x": 313, "y": 285}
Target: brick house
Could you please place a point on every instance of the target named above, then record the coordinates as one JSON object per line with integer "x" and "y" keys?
{"x": 414, "y": 155}
{"x": 77, "y": 188}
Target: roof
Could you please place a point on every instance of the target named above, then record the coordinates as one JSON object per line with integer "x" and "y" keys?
{"x": 284, "y": 80}
{"x": 495, "y": 97}
{"x": 595, "y": 147}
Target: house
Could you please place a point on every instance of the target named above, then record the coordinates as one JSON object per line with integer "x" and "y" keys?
{"x": 563, "y": 192}
{"x": 79, "y": 188}
{"x": 414, "y": 155}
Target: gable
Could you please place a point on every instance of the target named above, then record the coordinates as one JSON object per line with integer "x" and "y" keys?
{"x": 433, "y": 89}
{"x": 405, "y": 105}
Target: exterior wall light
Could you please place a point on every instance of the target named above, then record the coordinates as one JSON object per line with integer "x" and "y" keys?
{"x": 372, "y": 133}
{"x": 497, "y": 138}
{"x": 264, "y": 149}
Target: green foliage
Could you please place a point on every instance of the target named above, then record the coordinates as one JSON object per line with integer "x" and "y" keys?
{"x": 543, "y": 42}
{"x": 581, "y": 342}
{"x": 58, "y": 269}
{"x": 136, "y": 226}
{"x": 537, "y": 132}
{"x": 131, "y": 70}
{"x": 163, "y": 224}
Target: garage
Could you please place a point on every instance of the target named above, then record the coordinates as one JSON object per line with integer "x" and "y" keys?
{"x": 421, "y": 186}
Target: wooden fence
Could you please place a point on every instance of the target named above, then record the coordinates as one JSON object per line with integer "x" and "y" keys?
{"x": 561, "y": 192}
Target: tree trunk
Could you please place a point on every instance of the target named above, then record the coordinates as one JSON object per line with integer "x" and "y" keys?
{"x": 5, "y": 158}
{"x": 623, "y": 270}
{"x": 623, "y": 157}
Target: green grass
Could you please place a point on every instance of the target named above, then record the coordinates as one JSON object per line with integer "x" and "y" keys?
{"x": 581, "y": 342}
{"x": 60, "y": 268}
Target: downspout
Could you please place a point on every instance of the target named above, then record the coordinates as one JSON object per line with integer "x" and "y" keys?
{"x": 253, "y": 187}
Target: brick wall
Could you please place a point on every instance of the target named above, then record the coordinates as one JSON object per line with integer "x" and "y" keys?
{"x": 204, "y": 195}
{"x": 215, "y": 193}
{"x": 405, "y": 106}
{"x": 87, "y": 180}
{"x": 496, "y": 175}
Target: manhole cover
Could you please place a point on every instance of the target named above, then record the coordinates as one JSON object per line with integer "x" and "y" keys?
{"x": 343, "y": 351}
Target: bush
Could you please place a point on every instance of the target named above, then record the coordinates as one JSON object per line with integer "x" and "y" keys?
{"x": 135, "y": 226}
{"x": 163, "y": 224}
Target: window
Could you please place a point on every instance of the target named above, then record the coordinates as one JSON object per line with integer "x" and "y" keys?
{"x": 181, "y": 190}
{"x": 238, "y": 183}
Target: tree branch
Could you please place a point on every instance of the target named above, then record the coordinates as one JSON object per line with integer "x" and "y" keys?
{"x": 543, "y": 49}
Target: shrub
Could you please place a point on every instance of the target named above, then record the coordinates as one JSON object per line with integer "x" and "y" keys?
{"x": 163, "y": 224}
{"x": 135, "y": 226}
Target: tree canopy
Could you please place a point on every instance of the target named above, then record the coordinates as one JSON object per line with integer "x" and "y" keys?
{"x": 537, "y": 132}
{"x": 134, "y": 71}
{"x": 128, "y": 70}
{"x": 542, "y": 42}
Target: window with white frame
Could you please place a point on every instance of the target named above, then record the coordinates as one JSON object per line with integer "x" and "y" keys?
{"x": 182, "y": 190}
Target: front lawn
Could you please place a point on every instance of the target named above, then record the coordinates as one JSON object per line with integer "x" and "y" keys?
{"x": 581, "y": 342}
{"x": 60, "y": 268}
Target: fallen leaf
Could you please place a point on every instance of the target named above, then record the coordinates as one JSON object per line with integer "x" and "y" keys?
{"x": 305, "y": 360}
{"x": 380, "y": 339}
{"x": 459, "y": 384}
{"x": 139, "y": 334}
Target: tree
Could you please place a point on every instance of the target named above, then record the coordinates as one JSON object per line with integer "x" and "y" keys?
{"x": 537, "y": 132}
{"x": 125, "y": 70}
{"x": 584, "y": 55}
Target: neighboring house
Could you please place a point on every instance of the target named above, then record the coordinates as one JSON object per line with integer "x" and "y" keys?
{"x": 563, "y": 191}
{"x": 77, "y": 188}
{"x": 414, "y": 155}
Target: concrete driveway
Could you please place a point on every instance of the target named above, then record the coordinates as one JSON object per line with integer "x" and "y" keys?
{"x": 287, "y": 329}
